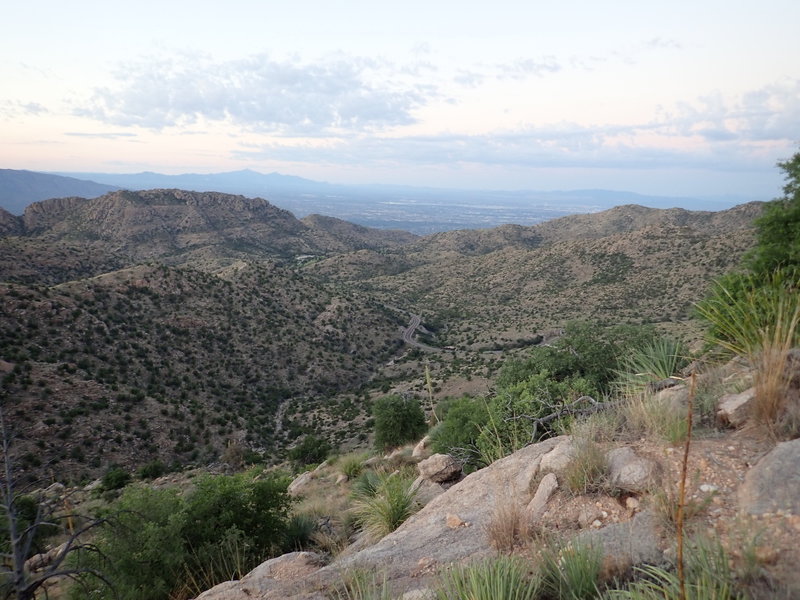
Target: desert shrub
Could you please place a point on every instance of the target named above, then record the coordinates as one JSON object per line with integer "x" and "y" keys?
{"x": 152, "y": 470}
{"x": 115, "y": 478}
{"x": 158, "y": 544}
{"x": 312, "y": 450}
{"x": 398, "y": 420}
{"x": 499, "y": 578}
{"x": 366, "y": 484}
{"x": 651, "y": 416}
{"x": 512, "y": 410}
{"x": 387, "y": 508}
{"x": 586, "y": 350}
{"x": 457, "y": 433}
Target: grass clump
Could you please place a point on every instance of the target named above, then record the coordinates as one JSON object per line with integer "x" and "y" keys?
{"x": 587, "y": 472}
{"x": 361, "y": 584}
{"x": 381, "y": 510}
{"x": 757, "y": 318}
{"x": 571, "y": 571}
{"x": 351, "y": 465}
{"x": 708, "y": 577}
{"x": 499, "y": 578}
{"x": 509, "y": 527}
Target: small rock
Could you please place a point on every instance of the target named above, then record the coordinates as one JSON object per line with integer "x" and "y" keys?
{"x": 537, "y": 505}
{"x": 735, "y": 409}
{"x": 708, "y": 488}
{"x": 597, "y": 523}
{"x": 631, "y": 503}
{"x": 422, "y": 449}
{"x": 454, "y": 521}
{"x": 629, "y": 472}
{"x": 296, "y": 487}
{"x": 342, "y": 478}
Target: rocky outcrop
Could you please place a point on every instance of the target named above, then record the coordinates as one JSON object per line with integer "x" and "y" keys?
{"x": 536, "y": 506}
{"x": 440, "y": 468}
{"x": 735, "y": 409}
{"x": 265, "y": 577}
{"x": 773, "y": 483}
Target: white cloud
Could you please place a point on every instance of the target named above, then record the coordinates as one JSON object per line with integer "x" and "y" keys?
{"x": 259, "y": 93}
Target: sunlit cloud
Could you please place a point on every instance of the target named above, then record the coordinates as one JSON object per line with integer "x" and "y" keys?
{"x": 258, "y": 92}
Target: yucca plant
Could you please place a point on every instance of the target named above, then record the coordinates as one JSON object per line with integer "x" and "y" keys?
{"x": 658, "y": 360}
{"x": 384, "y": 511}
{"x": 757, "y": 318}
{"x": 361, "y": 584}
{"x": 708, "y": 577}
{"x": 498, "y": 578}
{"x": 571, "y": 571}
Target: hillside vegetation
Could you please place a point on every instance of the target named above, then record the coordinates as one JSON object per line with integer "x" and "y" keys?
{"x": 172, "y": 325}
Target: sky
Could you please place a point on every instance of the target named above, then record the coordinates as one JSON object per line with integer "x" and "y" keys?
{"x": 691, "y": 98}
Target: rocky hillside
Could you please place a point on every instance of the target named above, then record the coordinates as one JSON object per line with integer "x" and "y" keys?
{"x": 172, "y": 226}
{"x": 167, "y": 324}
{"x": 742, "y": 502}
{"x": 629, "y": 263}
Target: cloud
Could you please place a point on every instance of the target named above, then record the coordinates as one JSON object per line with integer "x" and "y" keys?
{"x": 522, "y": 68}
{"x": 15, "y": 108}
{"x": 103, "y": 136}
{"x": 710, "y": 133}
{"x": 260, "y": 93}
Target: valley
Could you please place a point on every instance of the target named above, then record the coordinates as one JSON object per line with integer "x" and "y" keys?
{"x": 170, "y": 326}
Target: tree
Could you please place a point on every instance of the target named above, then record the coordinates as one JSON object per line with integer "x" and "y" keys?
{"x": 778, "y": 228}
{"x": 398, "y": 420}
{"x": 26, "y": 522}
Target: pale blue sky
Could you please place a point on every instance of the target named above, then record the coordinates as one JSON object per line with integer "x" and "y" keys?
{"x": 679, "y": 97}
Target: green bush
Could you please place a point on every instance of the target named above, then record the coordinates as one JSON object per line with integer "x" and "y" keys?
{"x": 158, "y": 544}
{"x": 657, "y": 360}
{"x": 398, "y": 420}
{"x": 586, "y": 350}
{"x": 115, "y": 478}
{"x": 511, "y": 411}
{"x": 152, "y": 470}
{"x": 457, "y": 433}
{"x": 312, "y": 450}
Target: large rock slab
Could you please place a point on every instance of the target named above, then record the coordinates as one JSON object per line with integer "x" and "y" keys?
{"x": 266, "y": 576}
{"x": 559, "y": 457}
{"x": 627, "y": 544}
{"x": 773, "y": 483}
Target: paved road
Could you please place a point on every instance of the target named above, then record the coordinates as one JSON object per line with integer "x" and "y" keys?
{"x": 408, "y": 335}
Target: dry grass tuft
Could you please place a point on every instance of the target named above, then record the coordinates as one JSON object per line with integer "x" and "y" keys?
{"x": 509, "y": 527}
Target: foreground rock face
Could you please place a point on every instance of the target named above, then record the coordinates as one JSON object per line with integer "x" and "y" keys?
{"x": 773, "y": 484}
{"x": 266, "y": 576}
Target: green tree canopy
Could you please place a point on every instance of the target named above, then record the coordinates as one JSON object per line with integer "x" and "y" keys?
{"x": 398, "y": 420}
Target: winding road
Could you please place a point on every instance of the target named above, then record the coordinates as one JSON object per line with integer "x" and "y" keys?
{"x": 408, "y": 335}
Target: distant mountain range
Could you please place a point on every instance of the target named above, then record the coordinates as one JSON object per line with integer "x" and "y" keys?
{"x": 420, "y": 210}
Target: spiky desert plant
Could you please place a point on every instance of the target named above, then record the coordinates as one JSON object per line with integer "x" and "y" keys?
{"x": 498, "y": 578}
{"x": 644, "y": 365}
{"x": 757, "y": 318}
{"x": 384, "y": 511}
{"x": 571, "y": 571}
